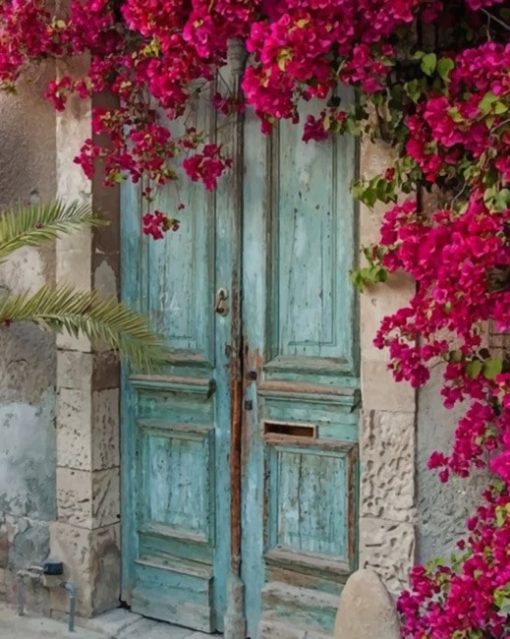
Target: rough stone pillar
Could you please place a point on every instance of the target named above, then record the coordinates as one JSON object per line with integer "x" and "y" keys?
{"x": 387, "y": 428}
{"x": 86, "y": 536}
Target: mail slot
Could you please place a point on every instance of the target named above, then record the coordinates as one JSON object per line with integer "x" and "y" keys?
{"x": 284, "y": 429}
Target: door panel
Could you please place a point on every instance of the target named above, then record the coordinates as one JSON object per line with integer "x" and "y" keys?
{"x": 300, "y": 426}
{"x": 311, "y": 238}
{"x": 181, "y": 274}
{"x": 176, "y": 424}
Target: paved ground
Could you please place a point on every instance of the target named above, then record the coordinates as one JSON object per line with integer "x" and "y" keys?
{"x": 117, "y": 624}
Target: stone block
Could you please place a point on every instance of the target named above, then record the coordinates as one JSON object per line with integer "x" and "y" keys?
{"x": 106, "y": 374}
{"x": 73, "y": 268}
{"x": 88, "y": 429}
{"x": 74, "y": 370}
{"x": 381, "y": 392}
{"x": 72, "y": 127}
{"x": 87, "y": 371}
{"x": 387, "y": 456}
{"x": 375, "y": 304}
{"x": 105, "y": 429}
{"x": 92, "y": 561}
{"x": 88, "y": 500}
{"x": 74, "y": 448}
{"x": 366, "y": 609}
{"x": 388, "y": 548}
{"x": 375, "y": 157}
{"x": 106, "y": 497}
{"x": 24, "y": 271}
{"x": 27, "y": 367}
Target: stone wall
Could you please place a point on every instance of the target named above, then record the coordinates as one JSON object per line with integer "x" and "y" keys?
{"x": 387, "y": 429}
{"x": 442, "y": 508}
{"x": 28, "y": 357}
{"x": 407, "y": 515}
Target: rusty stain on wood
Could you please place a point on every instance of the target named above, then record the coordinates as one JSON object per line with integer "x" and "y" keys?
{"x": 352, "y": 507}
{"x": 236, "y": 386}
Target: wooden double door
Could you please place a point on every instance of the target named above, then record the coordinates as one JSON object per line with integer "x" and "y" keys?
{"x": 239, "y": 458}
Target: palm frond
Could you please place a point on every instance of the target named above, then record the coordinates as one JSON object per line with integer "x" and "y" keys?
{"x": 32, "y": 225}
{"x": 65, "y": 309}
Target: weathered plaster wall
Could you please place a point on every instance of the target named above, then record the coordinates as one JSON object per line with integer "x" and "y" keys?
{"x": 27, "y": 355}
{"x": 59, "y": 453}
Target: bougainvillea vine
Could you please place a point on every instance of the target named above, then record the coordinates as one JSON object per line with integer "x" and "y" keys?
{"x": 433, "y": 80}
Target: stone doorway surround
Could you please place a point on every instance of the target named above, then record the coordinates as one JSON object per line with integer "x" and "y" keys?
{"x": 86, "y": 536}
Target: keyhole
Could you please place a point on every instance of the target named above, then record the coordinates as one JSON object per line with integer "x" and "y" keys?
{"x": 221, "y": 306}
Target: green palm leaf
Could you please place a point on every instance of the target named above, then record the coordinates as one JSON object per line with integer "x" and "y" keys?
{"x": 65, "y": 309}
{"x": 38, "y": 223}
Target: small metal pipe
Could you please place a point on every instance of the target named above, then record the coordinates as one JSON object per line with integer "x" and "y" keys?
{"x": 70, "y": 588}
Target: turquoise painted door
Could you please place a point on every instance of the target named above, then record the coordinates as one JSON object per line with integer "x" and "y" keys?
{"x": 299, "y": 505}
{"x": 239, "y": 458}
{"x": 176, "y": 425}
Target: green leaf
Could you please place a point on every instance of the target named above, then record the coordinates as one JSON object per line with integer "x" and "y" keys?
{"x": 429, "y": 63}
{"x": 413, "y": 89}
{"x": 502, "y": 200}
{"x": 284, "y": 56}
{"x": 33, "y": 225}
{"x": 501, "y": 516}
{"x": 365, "y": 193}
{"x": 352, "y": 126}
{"x": 502, "y": 599}
{"x": 444, "y": 67}
{"x": 67, "y": 310}
{"x": 455, "y": 356}
{"x": 500, "y": 108}
{"x": 455, "y": 115}
{"x": 486, "y": 103}
{"x": 381, "y": 275}
{"x": 492, "y": 368}
{"x": 474, "y": 368}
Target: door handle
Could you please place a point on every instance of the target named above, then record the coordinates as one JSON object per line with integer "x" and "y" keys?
{"x": 220, "y": 305}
